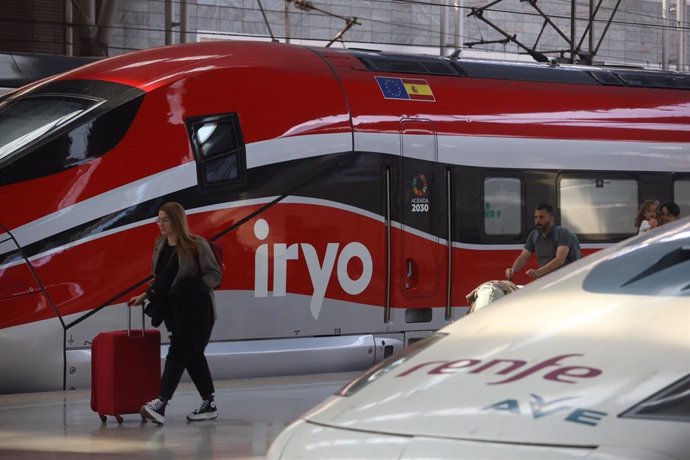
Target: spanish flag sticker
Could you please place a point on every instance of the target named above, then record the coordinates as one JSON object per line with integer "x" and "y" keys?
{"x": 405, "y": 88}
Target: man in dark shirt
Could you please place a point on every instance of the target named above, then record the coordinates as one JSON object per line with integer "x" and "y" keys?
{"x": 551, "y": 254}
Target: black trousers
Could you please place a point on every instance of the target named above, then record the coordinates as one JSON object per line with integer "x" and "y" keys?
{"x": 187, "y": 345}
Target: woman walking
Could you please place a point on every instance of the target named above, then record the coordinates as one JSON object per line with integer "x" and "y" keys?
{"x": 185, "y": 273}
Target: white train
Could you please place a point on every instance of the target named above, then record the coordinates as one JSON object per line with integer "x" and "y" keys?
{"x": 591, "y": 362}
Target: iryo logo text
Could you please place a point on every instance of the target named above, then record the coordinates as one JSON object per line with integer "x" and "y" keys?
{"x": 319, "y": 270}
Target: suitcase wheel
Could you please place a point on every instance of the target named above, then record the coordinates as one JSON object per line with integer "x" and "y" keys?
{"x": 119, "y": 418}
{"x": 103, "y": 418}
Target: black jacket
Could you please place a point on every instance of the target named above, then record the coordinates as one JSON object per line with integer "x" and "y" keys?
{"x": 189, "y": 316}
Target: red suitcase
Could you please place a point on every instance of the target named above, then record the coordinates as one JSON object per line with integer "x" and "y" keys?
{"x": 125, "y": 370}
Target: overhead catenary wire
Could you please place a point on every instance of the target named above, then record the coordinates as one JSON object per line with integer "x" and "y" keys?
{"x": 422, "y": 32}
{"x": 685, "y": 25}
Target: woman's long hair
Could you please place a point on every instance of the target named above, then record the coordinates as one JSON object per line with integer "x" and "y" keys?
{"x": 186, "y": 245}
{"x": 643, "y": 210}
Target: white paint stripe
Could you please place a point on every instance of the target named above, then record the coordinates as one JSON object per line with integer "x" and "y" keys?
{"x": 292, "y": 199}
{"x": 7, "y": 246}
{"x": 296, "y": 148}
{"x": 123, "y": 228}
{"x": 119, "y": 198}
{"x": 377, "y": 142}
{"x": 419, "y": 233}
{"x": 332, "y": 204}
{"x": 84, "y": 240}
{"x": 521, "y": 153}
{"x": 231, "y": 205}
{"x": 295, "y": 199}
{"x": 526, "y": 153}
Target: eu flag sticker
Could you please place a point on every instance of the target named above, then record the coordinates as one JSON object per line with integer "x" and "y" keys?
{"x": 392, "y": 88}
{"x": 405, "y": 88}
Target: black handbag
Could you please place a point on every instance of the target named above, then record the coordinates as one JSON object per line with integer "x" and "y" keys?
{"x": 157, "y": 293}
{"x": 155, "y": 309}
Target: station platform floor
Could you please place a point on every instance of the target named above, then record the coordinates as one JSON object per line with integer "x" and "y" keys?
{"x": 252, "y": 412}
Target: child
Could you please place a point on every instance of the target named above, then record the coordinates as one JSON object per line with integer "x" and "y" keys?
{"x": 646, "y": 216}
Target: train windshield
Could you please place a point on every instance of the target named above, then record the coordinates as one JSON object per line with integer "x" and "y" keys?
{"x": 23, "y": 121}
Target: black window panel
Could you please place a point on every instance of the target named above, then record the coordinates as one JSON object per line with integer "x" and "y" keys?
{"x": 606, "y": 77}
{"x": 440, "y": 68}
{"x": 408, "y": 64}
{"x": 396, "y": 65}
{"x": 526, "y": 72}
{"x": 216, "y": 138}
{"x": 87, "y": 141}
{"x": 225, "y": 168}
{"x": 218, "y": 148}
{"x": 25, "y": 120}
{"x": 682, "y": 80}
{"x": 647, "y": 79}
{"x": 671, "y": 403}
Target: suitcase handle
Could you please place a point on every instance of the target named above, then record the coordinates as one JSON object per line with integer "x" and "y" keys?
{"x": 129, "y": 319}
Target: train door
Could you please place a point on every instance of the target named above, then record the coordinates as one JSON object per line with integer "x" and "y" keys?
{"x": 421, "y": 197}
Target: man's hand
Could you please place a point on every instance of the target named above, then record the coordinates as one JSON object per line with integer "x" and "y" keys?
{"x": 509, "y": 273}
{"x": 532, "y": 273}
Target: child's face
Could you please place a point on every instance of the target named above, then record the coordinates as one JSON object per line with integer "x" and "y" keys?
{"x": 650, "y": 213}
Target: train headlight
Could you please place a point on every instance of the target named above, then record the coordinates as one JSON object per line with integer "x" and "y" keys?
{"x": 388, "y": 365}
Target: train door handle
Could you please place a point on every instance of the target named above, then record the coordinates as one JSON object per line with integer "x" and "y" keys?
{"x": 411, "y": 276}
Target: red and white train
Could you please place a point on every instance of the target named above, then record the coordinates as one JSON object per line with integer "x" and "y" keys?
{"x": 359, "y": 196}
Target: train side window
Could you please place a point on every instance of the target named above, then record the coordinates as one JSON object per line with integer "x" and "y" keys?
{"x": 598, "y": 206}
{"x": 86, "y": 140}
{"x": 218, "y": 148}
{"x": 681, "y": 196}
{"x": 502, "y": 206}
